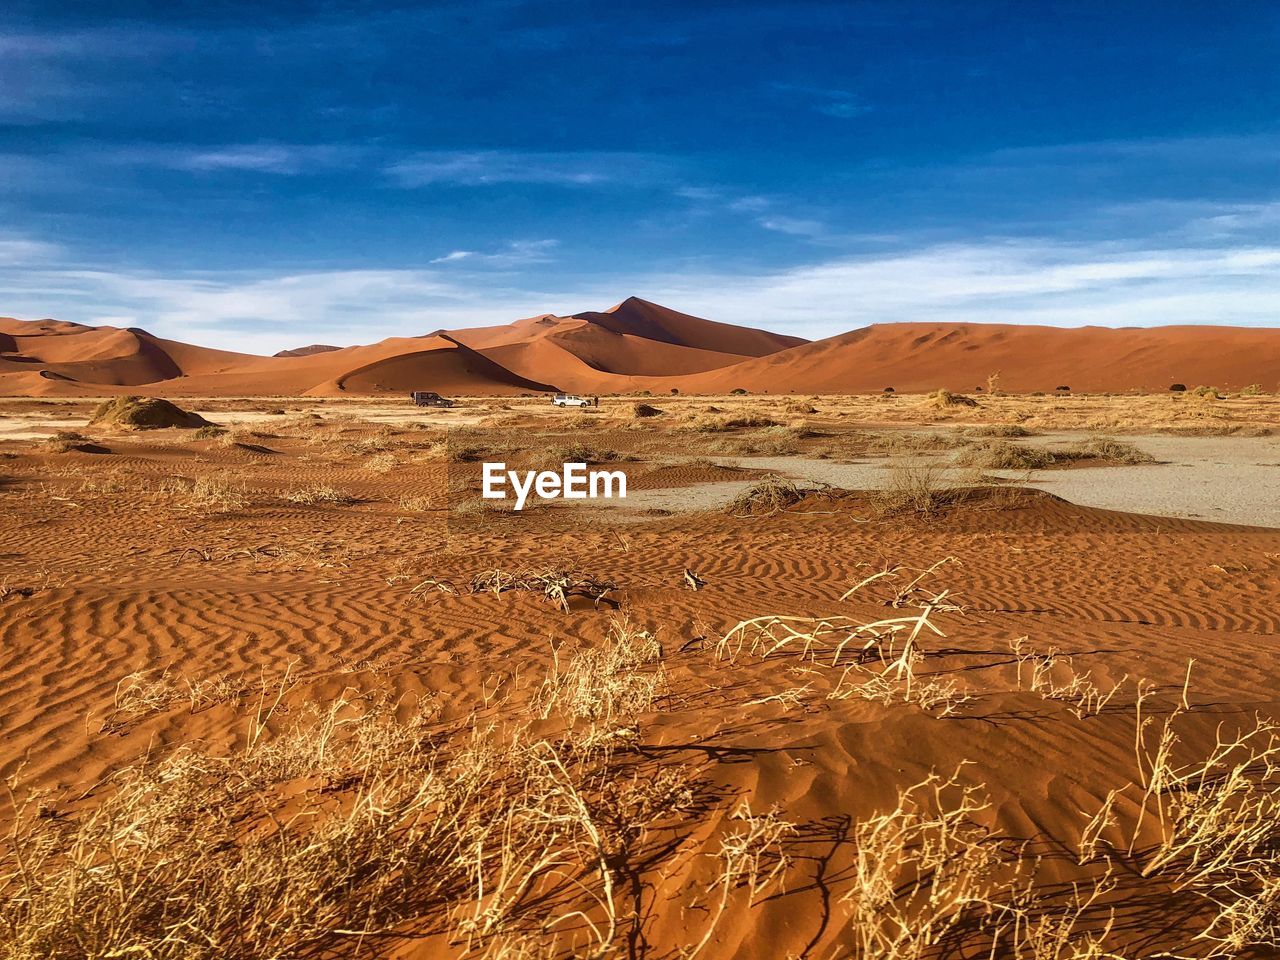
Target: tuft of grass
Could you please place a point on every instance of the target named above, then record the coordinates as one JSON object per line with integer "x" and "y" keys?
{"x": 310, "y": 496}
{"x": 944, "y": 399}
{"x": 915, "y": 486}
{"x": 998, "y": 430}
{"x": 1004, "y": 455}
{"x": 771, "y": 495}
{"x": 1105, "y": 448}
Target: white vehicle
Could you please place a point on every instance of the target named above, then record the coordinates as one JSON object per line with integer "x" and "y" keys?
{"x": 569, "y": 400}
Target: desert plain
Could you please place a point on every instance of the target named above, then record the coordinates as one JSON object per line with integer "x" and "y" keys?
{"x": 905, "y": 674}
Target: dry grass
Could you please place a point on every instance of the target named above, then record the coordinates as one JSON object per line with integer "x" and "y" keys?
{"x": 1004, "y": 455}
{"x": 205, "y": 493}
{"x": 480, "y": 836}
{"x": 917, "y": 486}
{"x": 1005, "y": 430}
{"x": 1055, "y": 677}
{"x": 558, "y": 586}
{"x": 381, "y": 463}
{"x": 148, "y": 692}
{"x": 1105, "y": 448}
{"x": 771, "y": 495}
{"x": 605, "y": 684}
{"x": 924, "y": 872}
{"x": 310, "y": 496}
{"x": 944, "y": 399}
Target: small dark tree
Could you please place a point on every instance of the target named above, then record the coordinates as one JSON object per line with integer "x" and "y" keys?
{"x": 1062, "y": 390}
{"x": 888, "y": 389}
{"x": 1178, "y": 388}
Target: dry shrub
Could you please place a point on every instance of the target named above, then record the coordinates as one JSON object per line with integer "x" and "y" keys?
{"x": 66, "y": 441}
{"x": 1210, "y": 825}
{"x": 925, "y": 873}
{"x": 416, "y": 504}
{"x": 915, "y": 486}
{"x": 1004, "y": 455}
{"x": 725, "y": 424}
{"x": 310, "y": 496}
{"x": 1105, "y": 448}
{"x": 1054, "y": 677}
{"x": 771, "y": 495}
{"x": 644, "y": 410}
{"x": 899, "y": 442}
{"x": 149, "y": 692}
{"x": 944, "y": 399}
{"x": 604, "y": 684}
{"x": 998, "y": 430}
{"x": 381, "y": 462}
{"x": 558, "y": 586}
{"x": 145, "y": 413}
{"x": 204, "y": 493}
{"x": 361, "y": 819}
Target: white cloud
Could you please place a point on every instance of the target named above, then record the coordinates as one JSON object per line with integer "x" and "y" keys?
{"x": 793, "y": 226}
{"x": 19, "y": 251}
{"x": 566, "y": 169}
{"x": 990, "y": 281}
{"x": 514, "y": 254}
{"x": 1006, "y": 282}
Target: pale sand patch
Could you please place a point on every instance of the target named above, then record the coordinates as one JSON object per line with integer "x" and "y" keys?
{"x": 1225, "y": 479}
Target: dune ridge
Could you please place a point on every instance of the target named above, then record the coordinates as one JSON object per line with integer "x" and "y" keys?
{"x": 637, "y": 345}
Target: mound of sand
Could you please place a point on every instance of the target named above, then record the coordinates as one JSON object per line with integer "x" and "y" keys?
{"x": 145, "y": 413}
{"x": 942, "y": 399}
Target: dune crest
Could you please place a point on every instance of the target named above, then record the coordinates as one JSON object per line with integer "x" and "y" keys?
{"x": 637, "y": 345}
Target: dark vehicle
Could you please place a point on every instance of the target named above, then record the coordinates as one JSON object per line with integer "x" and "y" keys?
{"x": 425, "y": 398}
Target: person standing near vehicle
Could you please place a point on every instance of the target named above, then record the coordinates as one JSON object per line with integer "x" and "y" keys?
{"x": 595, "y": 401}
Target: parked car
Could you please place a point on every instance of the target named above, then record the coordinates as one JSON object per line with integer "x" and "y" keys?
{"x": 425, "y": 398}
{"x": 569, "y": 400}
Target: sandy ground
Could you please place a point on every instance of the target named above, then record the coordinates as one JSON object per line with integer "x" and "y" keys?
{"x": 1228, "y": 479}
{"x": 649, "y": 761}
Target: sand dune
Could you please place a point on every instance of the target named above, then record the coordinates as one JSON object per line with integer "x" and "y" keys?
{"x": 638, "y": 345}
{"x": 960, "y": 356}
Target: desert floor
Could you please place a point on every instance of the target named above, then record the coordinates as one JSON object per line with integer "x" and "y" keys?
{"x": 841, "y": 677}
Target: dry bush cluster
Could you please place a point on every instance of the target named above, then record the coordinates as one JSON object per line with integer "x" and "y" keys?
{"x": 310, "y": 496}
{"x": 358, "y": 820}
{"x": 558, "y": 586}
{"x": 1055, "y": 677}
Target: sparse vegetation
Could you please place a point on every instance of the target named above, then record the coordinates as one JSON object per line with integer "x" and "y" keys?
{"x": 145, "y": 413}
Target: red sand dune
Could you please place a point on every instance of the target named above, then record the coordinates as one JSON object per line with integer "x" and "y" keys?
{"x": 308, "y": 350}
{"x": 960, "y": 356}
{"x": 639, "y": 345}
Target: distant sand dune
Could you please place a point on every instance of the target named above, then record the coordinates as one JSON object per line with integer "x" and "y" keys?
{"x": 638, "y": 345}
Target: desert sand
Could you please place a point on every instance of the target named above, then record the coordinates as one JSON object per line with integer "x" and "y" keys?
{"x": 285, "y": 685}
{"x": 636, "y": 346}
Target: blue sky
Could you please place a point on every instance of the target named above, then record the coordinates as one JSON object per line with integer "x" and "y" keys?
{"x": 255, "y": 176}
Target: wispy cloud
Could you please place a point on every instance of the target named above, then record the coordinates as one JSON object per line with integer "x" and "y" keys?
{"x": 1000, "y": 281}
{"x": 565, "y": 169}
{"x": 994, "y": 281}
{"x": 514, "y": 253}
{"x": 842, "y": 104}
{"x": 793, "y": 226}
